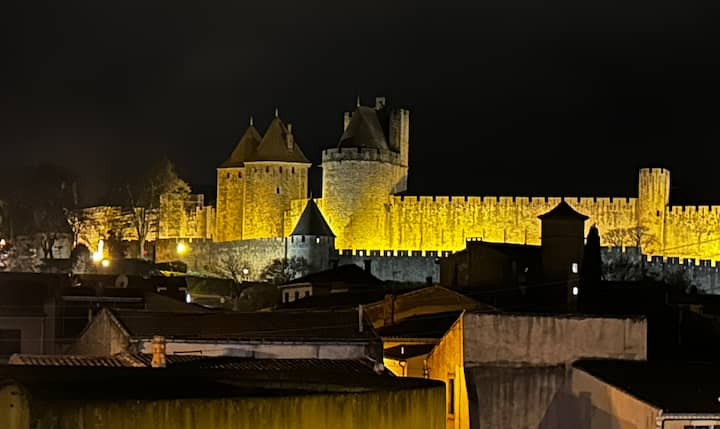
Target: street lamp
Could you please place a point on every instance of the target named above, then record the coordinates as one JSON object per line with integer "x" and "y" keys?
{"x": 181, "y": 248}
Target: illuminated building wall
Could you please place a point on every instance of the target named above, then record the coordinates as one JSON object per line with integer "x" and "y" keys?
{"x": 230, "y": 198}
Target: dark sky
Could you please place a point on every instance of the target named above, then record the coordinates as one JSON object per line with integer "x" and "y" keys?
{"x": 507, "y": 96}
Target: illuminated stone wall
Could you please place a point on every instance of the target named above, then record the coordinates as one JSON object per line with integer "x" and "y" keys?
{"x": 230, "y": 198}
{"x": 185, "y": 216}
{"x": 269, "y": 190}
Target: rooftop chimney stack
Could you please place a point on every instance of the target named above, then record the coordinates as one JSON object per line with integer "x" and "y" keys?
{"x": 158, "y": 352}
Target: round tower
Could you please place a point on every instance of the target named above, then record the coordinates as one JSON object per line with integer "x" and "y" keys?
{"x": 360, "y": 174}
{"x": 231, "y": 187}
{"x": 312, "y": 239}
{"x": 653, "y": 199}
{"x": 276, "y": 175}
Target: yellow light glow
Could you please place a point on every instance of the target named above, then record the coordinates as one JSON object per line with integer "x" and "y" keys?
{"x": 181, "y": 248}
{"x": 105, "y": 263}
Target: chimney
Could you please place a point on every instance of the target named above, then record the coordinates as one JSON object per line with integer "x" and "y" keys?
{"x": 290, "y": 140}
{"x": 158, "y": 352}
{"x": 360, "y": 318}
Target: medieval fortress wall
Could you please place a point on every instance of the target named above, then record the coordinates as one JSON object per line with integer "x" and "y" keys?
{"x": 364, "y": 205}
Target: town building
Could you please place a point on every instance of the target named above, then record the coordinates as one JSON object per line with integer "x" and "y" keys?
{"x": 218, "y": 393}
{"x": 280, "y": 335}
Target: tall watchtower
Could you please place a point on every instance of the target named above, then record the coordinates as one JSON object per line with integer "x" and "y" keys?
{"x": 369, "y": 164}
{"x": 276, "y": 175}
{"x": 653, "y": 199}
{"x": 231, "y": 177}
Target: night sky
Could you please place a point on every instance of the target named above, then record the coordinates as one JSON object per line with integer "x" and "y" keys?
{"x": 506, "y": 96}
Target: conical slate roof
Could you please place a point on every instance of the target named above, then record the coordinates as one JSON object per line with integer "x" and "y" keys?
{"x": 274, "y": 145}
{"x": 364, "y": 130}
{"x": 563, "y": 211}
{"x": 245, "y": 149}
{"x": 312, "y": 222}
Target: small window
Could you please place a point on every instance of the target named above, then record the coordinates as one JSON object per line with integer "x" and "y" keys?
{"x": 297, "y": 295}
{"x": 286, "y": 298}
{"x": 293, "y": 170}
{"x": 303, "y": 238}
{"x": 451, "y": 396}
{"x": 307, "y": 293}
{"x": 277, "y": 190}
{"x": 267, "y": 169}
{"x": 317, "y": 240}
{"x": 657, "y": 213}
{"x": 281, "y": 169}
{"x": 574, "y": 267}
{"x": 227, "y": 176}
{"x": 239, "y": 174}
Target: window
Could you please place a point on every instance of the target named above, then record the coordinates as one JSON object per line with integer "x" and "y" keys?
{"x": 227, "y": 176}
{"x": 574, "y": 267}
{"x": 277, "y": 190}
{"x": 281, "y": 169}
{"x": 451, "y": 396}
{"x": 239, "y": 174}
{"x": 317, "y": 240}
{"x": 267, "y": 169}
{"x": 307, "y": 293}
{"x": 293, "y": 170}
{"x": 286, "y": 298}
{"x": 297, "y": 295}
{"x": 303, "y": 238}
{"x": 9, "y": 341}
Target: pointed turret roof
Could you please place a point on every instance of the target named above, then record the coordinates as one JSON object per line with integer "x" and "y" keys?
{"x": 312, "y": 222}
{"x": 245, "y": 148}
{"x": 364, "y": 130}
{"x": 278, "y": 145}
{"x": 563, "y": 211}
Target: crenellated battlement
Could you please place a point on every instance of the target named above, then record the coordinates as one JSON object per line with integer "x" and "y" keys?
{"x": 360, "y": 154}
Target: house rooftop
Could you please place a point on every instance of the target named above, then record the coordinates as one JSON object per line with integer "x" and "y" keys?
{"x": 350, "y": 274}
{"x": 674, "y": 387}
{"x": 425, "y": 326}
{"x": 232, "y": 326}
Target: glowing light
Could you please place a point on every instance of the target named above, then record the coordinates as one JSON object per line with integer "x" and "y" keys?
{"x": 245, "y": 271}
{"x": 188, "y": 298}
{"x": 105, "y": 263}
{"x": 2, "y": 242}
{"x": 97, "y": 256}
{"x": 575, "y": 290}
{"x": 181, "y": 248}
{"x": 317, "y": 240}
{"x": 574, "y": 267}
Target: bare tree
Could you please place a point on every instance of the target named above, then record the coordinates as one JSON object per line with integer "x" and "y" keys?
{"x": 283, "y": 270}
{"x": 231, "y": 266}
{"x": 636, "y": 236}
{"x": 143, "y": 198}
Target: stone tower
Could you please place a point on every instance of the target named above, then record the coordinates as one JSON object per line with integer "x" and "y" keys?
{"x": 562, "y": 242}
{"x": 653, "y": 199}
{"x": 231, "y": 176}
{"x": 312, "y": 239}
{"x": 369, "y": 164}
{"x": 276, "y": 175}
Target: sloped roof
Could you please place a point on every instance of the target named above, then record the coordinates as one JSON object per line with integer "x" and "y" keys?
{"x": 563, "y": 211}
{"x": 677, "y": 387}
{"x": 236, "y": 326}
{"x": 350, "y": 274}
{"x": 424, "y": 326}
{"x": 364, "y": 131}
{"x": 274, "y": 147}
{"x": 312, "y": 222}
{"x": 244, "y": 150}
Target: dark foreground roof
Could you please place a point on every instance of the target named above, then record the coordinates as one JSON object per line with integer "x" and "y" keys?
{"x": 113, "y": 384}
{"x": 343, "y": 300}
{"x": 349, "y": 274}
{"x": 425, "y": 326}
{"x": 563, "y": 211}
{"x": 287, "y": 325}
{"x": 674, "y": 387}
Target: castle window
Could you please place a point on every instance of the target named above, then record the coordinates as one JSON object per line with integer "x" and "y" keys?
{"x": 227, "y": 176}
{"x": 657, "y": 213}
{"x": 267, "y": 169}
{"x": 239, "y": 174}
{"x": 303, "y": 238}
{"x": 277, "y": 190}
{"x": 293, "y": 170}
{"x": 281, "y": 169}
